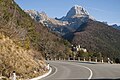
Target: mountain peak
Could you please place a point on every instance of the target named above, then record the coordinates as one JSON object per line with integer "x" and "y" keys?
{"x": 77, "y": 6}
{"x": 76, "y": 11}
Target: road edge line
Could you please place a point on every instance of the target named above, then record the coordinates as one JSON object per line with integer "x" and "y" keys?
{"x": 54, "y": 72}
{"x": 91, "y": 73}
{"x": 40, "y": 77}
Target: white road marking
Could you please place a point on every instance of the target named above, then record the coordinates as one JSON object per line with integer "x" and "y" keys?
{"x": 91, "y": 73}
{"x": 40, "y": 77}
{"x": 54, "y": 72}
{"x": 90, "y": 76}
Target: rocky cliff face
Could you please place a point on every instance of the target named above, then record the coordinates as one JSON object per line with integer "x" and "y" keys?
{"x": 75, "y": 17}
{"x": 76, "y": 12}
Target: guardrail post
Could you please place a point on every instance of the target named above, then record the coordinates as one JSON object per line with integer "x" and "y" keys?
{"x": 55, "y": 59}
{"x": 48, "y": 59}
{"x": 68, "y": 58}
{"x": 89, "y": 59}
{"x": 14, "y": 75}
{"x": 84, "y": 59}
{"x": 64, "y": 59}
{"x": 110, "y": 61}
{"x": 78, "y": 58}
{"x": 59, "y": 58}
{"x": 51, "y": 59}
{"x": 102, "y": 60}
{"x": 95, "y": 59}
{"x": 48, "y": 66}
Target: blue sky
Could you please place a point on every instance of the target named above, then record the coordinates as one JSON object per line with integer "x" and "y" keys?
{"x": 101, "y": 10}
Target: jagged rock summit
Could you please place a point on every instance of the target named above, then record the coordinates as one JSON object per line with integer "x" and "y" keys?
{"x": 75, "y": 17}
{"x": 76, "y": 11}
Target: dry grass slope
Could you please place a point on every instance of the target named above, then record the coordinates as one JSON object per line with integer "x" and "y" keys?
{"x": 24, "y": 42}
{"x": 13, "y": 57}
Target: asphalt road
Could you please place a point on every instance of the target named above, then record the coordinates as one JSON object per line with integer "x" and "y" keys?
{"x": 64, "y": 70}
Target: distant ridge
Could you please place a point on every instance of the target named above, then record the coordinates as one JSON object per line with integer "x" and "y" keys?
{"x": 76, "y": 16}
{"x": 97, "y": 37}
{"x": 80, "y": 28}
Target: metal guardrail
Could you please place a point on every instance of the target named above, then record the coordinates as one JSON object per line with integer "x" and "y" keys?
{"x": 89, "y": 59}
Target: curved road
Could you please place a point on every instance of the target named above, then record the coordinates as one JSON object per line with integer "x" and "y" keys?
{"x": 64, "y": 70}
